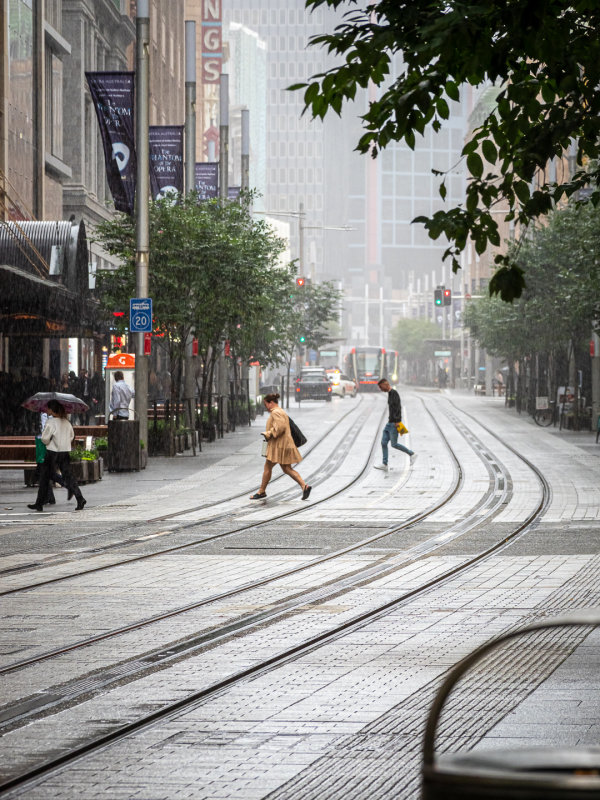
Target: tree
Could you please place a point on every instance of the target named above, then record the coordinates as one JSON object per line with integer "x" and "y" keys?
{"x": 409, "y": 338}
{"x": 553, "y": 318}
{"x": 544, "y": 59}
{"x": 313, "y": 307}
{"x": 211, "y": 270}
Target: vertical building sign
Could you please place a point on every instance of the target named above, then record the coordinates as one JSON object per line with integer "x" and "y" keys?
{"x": 113, "y": 98}
{"x": 166, "y": 160}
{"x": 212, "y": 49}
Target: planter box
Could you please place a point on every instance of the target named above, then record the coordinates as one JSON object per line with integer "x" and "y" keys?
{"x": 143, "y": 458}
{"x": 79, "y": 470}
{"x": 93, "y": 471}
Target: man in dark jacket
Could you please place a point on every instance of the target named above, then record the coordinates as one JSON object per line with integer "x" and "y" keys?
{"x": 390, "y": 432}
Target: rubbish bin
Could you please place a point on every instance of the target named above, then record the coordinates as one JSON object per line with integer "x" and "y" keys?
{"x": 123, "y": 451}
{"x": 537, "y": 773}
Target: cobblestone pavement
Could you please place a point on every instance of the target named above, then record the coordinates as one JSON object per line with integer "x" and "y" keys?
{"x": 341, "y": 720}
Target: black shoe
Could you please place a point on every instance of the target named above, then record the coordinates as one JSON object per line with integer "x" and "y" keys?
{"x": 35, "y": 507}
{"x": 51, "y": 502}
{"x": 80, "y": 504}
{"x": 69, "y": 494}
{"x": 306, "y": 492}
{"x": 258, "y": 496}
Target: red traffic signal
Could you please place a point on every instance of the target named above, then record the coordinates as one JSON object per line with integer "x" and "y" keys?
{"x": 300, "y": 281}
{"x": 447, "y": 297}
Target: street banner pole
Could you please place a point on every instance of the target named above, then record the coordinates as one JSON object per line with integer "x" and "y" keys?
{"x": 142, "y": 25}
{"x": 245, "y": 186}
{"x": 190, "y": 105}
{"x": 190, "y": 185}
{"x": 245, "y": 182}
{"x": 223, "y": 194}
{"x": 224, "y": 136}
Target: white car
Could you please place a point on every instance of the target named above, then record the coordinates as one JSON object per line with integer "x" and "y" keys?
{"x": 341, "y": 384}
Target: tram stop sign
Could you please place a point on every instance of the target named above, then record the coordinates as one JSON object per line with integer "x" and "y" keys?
{"x": 140, "y": 315}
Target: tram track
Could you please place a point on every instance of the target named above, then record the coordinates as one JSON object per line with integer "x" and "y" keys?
{"x": 166, "y": 517}
{"x": 489, "y": 506}
{"x": 305, "y": 646}
{"x": 328, "y": 466}
{"x": 413, "y": 553}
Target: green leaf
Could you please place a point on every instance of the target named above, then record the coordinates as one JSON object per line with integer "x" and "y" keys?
{"x": 475, "y": 164}
{"x": 508, "y": 282}
{"x": 452, "y": 91}
{"x": 522, "y": 191}
{"x": 489, "y": 151}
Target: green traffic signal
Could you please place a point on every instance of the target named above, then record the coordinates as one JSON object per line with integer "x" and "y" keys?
{"x": 437, "y": 297}
{"x": 302, "y": 339}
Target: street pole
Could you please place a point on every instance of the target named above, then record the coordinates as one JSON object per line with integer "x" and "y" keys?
{"x": 245, "y": 186}
{"x": 190, "y": 106}
{"x": 245, "y": 182}
{"x": 223, "y": 136}
{"x": 223, "y": 194}
{"x": 142, "y": 25}
{"x": 301, "y": 239}
{"x": 190, "y": 185}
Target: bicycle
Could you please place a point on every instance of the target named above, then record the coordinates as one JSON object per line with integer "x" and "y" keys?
{"x": 545, "y": 416}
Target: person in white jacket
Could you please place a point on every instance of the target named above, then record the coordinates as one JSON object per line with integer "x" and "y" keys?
{"x": 57, "y": 436}
{"x": 120, "y": 397}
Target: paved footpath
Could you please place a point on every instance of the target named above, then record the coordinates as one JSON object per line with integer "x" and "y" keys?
{"x": 344, "y": 720}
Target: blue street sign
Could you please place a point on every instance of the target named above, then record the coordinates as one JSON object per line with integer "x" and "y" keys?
{"x": 140, "y": 315}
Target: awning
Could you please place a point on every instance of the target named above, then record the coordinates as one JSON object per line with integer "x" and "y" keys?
{"x": 35, "y": 306}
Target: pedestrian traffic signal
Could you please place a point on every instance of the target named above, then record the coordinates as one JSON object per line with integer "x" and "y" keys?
{"x": 447, "y": 297}
{"x": 300, "y": 281}
{"x": 437, "y": 297}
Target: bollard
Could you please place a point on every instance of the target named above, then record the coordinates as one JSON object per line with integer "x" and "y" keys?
{"x": 537, "y": 773}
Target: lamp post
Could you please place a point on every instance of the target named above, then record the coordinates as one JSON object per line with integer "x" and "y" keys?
{"x": 300, "y": 214}
{"x": 142, "y": 204}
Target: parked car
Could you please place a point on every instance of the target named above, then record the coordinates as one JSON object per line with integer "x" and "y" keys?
{"x": 341, "y": 384}
{"x": 313, "y": 386}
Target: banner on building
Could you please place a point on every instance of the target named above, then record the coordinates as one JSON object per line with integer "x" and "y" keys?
{"x": 233, "y": 192}
{"x": 166, "y": 160}
{"x": 212, "y": 45}
{"x": 207, "y": 179}
{"x": 113, "y": 95}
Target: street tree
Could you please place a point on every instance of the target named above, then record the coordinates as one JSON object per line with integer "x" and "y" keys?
{"x": 409, "y": 337}
{"x": 544, "y": 59}
{"x": 552, "y": 320}
{"x": 307, "y": 320}
{"x": 211, "y": 266}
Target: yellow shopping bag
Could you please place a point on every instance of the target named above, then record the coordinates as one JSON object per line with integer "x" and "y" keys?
{"x": 401, "y": 428}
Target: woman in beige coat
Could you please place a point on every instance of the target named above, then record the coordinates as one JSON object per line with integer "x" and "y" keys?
{"x": 280, "y": 448}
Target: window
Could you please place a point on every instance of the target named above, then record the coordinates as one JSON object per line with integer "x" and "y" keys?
{"x": 54, "y": 104}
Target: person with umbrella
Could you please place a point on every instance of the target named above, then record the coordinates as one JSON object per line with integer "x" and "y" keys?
{"x": 57, "y": 436}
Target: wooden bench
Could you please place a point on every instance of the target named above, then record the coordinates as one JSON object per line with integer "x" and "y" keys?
{"x": 18, "y": 465}
{"x": 95, "y": 431}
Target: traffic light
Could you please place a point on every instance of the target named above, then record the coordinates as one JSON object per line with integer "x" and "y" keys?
{"x": 302, "y": 339}
{"x": 447, "y": 297}
{"x": 300, "y": 281}
{"x": 437, "y": 297}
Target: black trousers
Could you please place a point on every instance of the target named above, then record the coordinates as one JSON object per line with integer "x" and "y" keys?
{"x": 53, "y": 461}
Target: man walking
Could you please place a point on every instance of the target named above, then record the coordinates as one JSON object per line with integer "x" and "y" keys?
{"x": 390, "y": 432}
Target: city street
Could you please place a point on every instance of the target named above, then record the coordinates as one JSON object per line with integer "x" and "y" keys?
{"x": 177, "y": 640}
